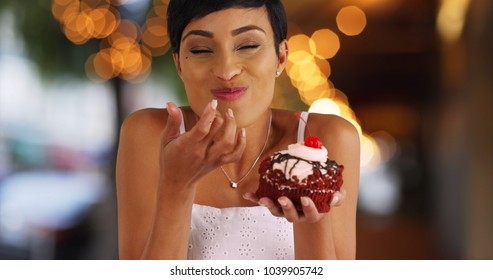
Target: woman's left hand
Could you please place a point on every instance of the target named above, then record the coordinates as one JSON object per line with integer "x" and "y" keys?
{"x": 285, "y": 207}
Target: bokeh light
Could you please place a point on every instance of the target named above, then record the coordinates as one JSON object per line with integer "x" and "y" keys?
{"x": 370, "y": 152}
{"x": 324, "y": 43}
{"x": 325, "y": 106}
{"x": 351, "y": 20}
{"x": 126, "y": 48}
{"x": 451, "y": 18}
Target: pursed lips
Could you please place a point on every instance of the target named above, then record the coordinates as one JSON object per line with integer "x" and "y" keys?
{"x": 229, "y": 93}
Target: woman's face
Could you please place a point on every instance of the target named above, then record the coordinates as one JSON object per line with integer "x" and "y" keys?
{"x": 230, "y": 56}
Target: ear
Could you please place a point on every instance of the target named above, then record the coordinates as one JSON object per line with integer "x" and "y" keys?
{"x": 176, "y": 59}
{"x": 283, "y": 55}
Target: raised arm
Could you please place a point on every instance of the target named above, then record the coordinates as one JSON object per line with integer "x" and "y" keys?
{"x": 157, "y": 170}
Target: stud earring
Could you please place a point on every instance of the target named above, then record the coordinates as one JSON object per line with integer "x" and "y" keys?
{"x": 278, "y": 73}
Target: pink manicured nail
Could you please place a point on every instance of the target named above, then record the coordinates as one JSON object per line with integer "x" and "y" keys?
{"x": 214, "y": 104}
{"x": 282, "y": 202}
{"x": 230, "y": 113}
{"x": 243, "y": 132}
{"x": 304, "y": 201}
{"x": 335, "y": 200}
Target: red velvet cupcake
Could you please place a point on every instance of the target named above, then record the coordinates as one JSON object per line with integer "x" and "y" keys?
{"x": 301, "y": 170}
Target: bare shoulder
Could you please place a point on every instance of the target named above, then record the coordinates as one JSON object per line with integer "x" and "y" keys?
{"x": 336, "y": 132}
{"x": 139, "y": 139}
{"x": 144, "y": 122}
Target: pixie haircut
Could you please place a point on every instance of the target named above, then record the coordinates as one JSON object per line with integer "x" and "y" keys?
{"x": 182, "y": 12}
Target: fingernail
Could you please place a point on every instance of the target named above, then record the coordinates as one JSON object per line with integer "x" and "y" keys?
{"x": 304, "y": 201}
{"x": 282, "y": 202}
{"x": 230, "y": 113}
{"x": 214, "y": 104}
{"x": 335, "y": 200}
{"x": 243, "y": 132}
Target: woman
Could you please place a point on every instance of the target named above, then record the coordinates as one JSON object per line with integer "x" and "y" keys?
{"x": 176, "y": 166}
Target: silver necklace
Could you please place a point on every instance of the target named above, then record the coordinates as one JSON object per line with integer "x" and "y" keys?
{"x": 234, "y": 184}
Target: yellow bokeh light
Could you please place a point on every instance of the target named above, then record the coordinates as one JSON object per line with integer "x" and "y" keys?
{"x": 451, "y": 18}
{"x": 370, "y": 154}
{"x": 91, "y": 71}
{"x": 346, "y": 111}
{"x": 387, "y": 145}
{"x": 309, "y": 83}
{"x": 125, "y": 50}
{"x": 63, "y": 8}
{"x": 325, "y": 106}
{"x": 74, "y": 32}
{"x": 324, "y": 43}
{"x": 299, "y": 71}
{"x": 126, "y": 30}
{"x": 106, "y": 20}
{"x": 351, "y": 20}
{"x": 299, "y": 42}
{"x": 160, "y": 8}
{"x": 104, "y": 64}
{"x": 324, "y": 90}
{"x": 324, "y": 66}
{"x": 300, "y": 57}
{"x": 155, "y": 36}
{"x": 144, "y": 70}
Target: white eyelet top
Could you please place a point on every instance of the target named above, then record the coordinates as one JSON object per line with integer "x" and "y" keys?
{"x": 240, "y": 233}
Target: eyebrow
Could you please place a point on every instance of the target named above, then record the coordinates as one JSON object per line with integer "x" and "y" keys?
{"x": 235, "y": 32}
{"x": 245, "y": 29}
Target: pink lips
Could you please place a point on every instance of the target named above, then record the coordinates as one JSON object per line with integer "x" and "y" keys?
{"x": 229, "y": 94}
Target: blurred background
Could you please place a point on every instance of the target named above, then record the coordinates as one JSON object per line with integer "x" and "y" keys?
{"x": 413, "y": 76}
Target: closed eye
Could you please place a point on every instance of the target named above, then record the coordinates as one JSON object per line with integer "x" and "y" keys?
{"x": 249, "y": 47}
{"x": 200, "y": 51}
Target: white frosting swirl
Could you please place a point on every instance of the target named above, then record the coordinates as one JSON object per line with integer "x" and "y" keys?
{"x": 301, "y": 168}
{"x": 307, "y": 153}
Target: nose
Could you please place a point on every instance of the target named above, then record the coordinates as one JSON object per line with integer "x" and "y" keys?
{"x": 226, "y": 67}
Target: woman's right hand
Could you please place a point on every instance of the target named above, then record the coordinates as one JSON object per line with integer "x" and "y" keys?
{"x": 212, "y": 142}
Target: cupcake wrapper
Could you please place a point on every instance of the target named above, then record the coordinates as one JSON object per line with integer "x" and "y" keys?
{"x": 321, "y": 200}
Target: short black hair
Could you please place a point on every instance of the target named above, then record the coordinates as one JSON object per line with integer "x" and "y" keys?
{"x": 181, "y": 12}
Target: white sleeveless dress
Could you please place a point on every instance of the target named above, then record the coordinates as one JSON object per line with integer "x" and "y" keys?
{"x": 240, "y": 233}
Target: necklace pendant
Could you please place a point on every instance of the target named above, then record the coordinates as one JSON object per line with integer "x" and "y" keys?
{"x": 234, "y": 185}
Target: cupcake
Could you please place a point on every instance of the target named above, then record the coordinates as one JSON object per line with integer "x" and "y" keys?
{"x": 302, "y": 170}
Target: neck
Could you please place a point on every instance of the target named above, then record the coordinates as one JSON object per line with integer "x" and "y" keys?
{"x": 257, "y": 144}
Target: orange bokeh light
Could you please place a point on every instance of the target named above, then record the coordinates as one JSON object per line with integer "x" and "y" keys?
{"x": 324, "y": 43}
{"x": 351, "y": 20}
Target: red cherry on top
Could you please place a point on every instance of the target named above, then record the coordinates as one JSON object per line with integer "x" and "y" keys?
{"x": 313, "y": 142}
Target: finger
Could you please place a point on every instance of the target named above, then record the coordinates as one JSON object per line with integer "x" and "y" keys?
{"x": 216, "y": 127}
{"x": 203, "y": 126}
{"x": 251, "y": 197}
{"x": 309, "y": 210}
{"x": 227, "y": 137}
{"x": 338, "y": 197}
{"x": 288, "y": 209}
{"x": 274, "y": 208}
{"x": 238, "y": 150}
{"x": 172, "y": 129}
